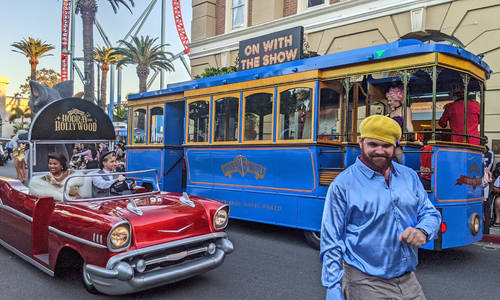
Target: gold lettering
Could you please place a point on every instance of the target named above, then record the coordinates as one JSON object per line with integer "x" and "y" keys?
{"x": 256, "y": 62}
{"x": 265, "y": 60}
{"x": 248, "y": 50}
{"x": 291, "y": 54}
{"x": 255, "y": 48}
{"x": 288, "y": 40}
{"x": 281, "y": 39}
{"x": 281, "y": 56}
{"x": 268, "y": 45}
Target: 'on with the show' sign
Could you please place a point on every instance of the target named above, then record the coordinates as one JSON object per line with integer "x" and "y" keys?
{"x": 274, "y": 48}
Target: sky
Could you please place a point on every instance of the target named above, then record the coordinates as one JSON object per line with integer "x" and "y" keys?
{"x": 41, "y": 19}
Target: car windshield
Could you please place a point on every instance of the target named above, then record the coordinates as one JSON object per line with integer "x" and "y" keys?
{"x": 101, "y": 184}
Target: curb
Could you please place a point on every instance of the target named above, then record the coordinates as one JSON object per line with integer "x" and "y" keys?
{"x": 491, "y": 238}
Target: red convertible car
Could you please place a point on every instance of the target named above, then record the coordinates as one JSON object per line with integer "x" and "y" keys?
{"x": 123, "y": 243}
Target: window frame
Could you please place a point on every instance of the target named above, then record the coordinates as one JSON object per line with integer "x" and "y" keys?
{"x": 212, "y": 115}
{"x": 271, "y": 91}
{"x": 146, "y": 125}
{"x": 323, "y": 85}
{"x": 150, "y": 107}
{"x": 229, "y": 16}
{"x": 311, "y": 85}
{"x": 188, "y": 102}
{"x": 302, "y": 6}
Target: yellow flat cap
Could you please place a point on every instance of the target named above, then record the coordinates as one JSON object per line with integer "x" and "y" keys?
{"x": 381, "y": 128}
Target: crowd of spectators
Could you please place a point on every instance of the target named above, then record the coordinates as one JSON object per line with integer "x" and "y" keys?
{"x": 86, "y": 156}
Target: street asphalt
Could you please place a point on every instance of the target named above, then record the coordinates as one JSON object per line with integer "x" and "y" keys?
{"x": 269, "y": 262}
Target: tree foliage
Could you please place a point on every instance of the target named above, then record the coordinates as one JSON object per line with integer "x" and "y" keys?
{"x": 120, "y": 113}
{"x": 106, "y": 57}
{"x": 34, "y": 49}
{"x": 213, "y": 71}
{"x": 88, "y": 9}
{"x": 44, "y": 76}
{"x": 146, "y": 55}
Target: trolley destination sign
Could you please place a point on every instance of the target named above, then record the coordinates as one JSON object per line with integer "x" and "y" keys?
{"x": 274, "y": 48}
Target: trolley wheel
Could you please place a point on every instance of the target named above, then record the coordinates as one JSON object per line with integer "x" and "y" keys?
{"x": 312, "y": 238}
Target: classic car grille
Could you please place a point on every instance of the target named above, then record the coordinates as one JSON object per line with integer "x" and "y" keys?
{"x": 173, "y": 256}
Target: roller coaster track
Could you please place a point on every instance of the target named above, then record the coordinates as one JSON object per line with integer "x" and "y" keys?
{"x": 179, "y": 24}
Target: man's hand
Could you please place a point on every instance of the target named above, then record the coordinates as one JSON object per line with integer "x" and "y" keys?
{"x": 120, "y": 178}
{"x": 413, "y": 237}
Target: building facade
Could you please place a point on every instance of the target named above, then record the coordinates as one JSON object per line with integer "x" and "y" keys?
{"x": 339, "y": 25}
{"x": 8, "y": 106}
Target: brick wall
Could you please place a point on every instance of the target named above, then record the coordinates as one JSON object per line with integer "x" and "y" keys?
{"x": 334, "y": 1}
{"x": 220, "y": 17}
{"x": 289, "y": 7}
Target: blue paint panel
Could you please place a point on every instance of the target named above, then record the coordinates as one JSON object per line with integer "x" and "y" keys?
{"x": 275, "y": 169}
{"x": 174, "y": 128}
{"x": 458, "y": 174}
{"x": 330, "y": 157}
{"x": 411, "y": 159}
{"x": 458, "y": 221}
{"x": 172, "y": 181}
{"x": 253, "y": 205}
{"x": 144, "y": 159}
{"x": 310, "y": 212}
{"x": 351, "y": 153}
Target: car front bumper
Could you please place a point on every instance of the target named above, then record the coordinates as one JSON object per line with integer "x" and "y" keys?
{"x": 123, "y": 276}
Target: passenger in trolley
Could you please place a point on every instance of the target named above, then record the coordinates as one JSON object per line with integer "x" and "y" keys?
{"x": 370, "y": 239}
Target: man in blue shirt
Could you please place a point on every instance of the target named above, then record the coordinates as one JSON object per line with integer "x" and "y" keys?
{"x": 376, "y": 215}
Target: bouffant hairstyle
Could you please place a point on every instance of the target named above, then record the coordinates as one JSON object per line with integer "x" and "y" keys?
{"x": 60, "y": 158}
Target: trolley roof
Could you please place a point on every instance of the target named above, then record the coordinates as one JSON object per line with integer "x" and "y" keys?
{"x": 386, "y": 51}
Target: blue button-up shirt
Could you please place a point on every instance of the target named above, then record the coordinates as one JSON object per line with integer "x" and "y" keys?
{"x": 363, "y": 218}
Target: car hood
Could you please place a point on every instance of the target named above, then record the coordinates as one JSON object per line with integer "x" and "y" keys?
{"x": 158, "y": 218}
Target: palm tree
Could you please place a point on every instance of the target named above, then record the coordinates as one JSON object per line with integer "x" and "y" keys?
{"x": 105, "y": 56}
{"x": 142, "y": 52}
{"x": 34, "y": 49}
{"x": 87, "y": 9}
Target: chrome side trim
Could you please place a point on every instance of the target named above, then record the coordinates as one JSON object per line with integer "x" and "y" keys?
{"x": 176, "y": 231}
{"x": 16, "y": 212}
{"x": 75, "y": 238}
{"x": 27, "y": 258}
{"x": 117, "y": 258}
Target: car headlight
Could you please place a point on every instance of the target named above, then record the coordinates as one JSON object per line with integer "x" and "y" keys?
{"x": 475, "y": 223}
{"x": 221, "y": 217}
{"x": 119, "y": 237}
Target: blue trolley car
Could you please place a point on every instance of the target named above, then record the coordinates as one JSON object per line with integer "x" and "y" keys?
{"x": 269, "y": 141}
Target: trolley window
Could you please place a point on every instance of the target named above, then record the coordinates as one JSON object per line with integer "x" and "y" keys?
{"x": 198, "y": 112}
{"x": 156, "y": 125}
{"x": 258, "y": 110}
{"x": 139, "y": 125}
{"x": 226, "y": 115}
{"x": 295, "y": 114}
{"x": 329, "y": 112}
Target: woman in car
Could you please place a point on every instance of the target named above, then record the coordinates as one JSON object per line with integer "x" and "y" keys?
{"x": 52, "y": 184}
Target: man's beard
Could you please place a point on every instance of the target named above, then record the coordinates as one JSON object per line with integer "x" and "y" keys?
{"x": 378, "y": 163}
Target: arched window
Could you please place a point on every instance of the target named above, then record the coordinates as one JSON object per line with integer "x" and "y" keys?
{"x": 258, "y": 117}
{"x": 156, "y": 125}
{"x": 198, "y": 121}
{"x": 139, "y": 123}
{"x": 295, "y": 114}
{"x": 226, "y": 119}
